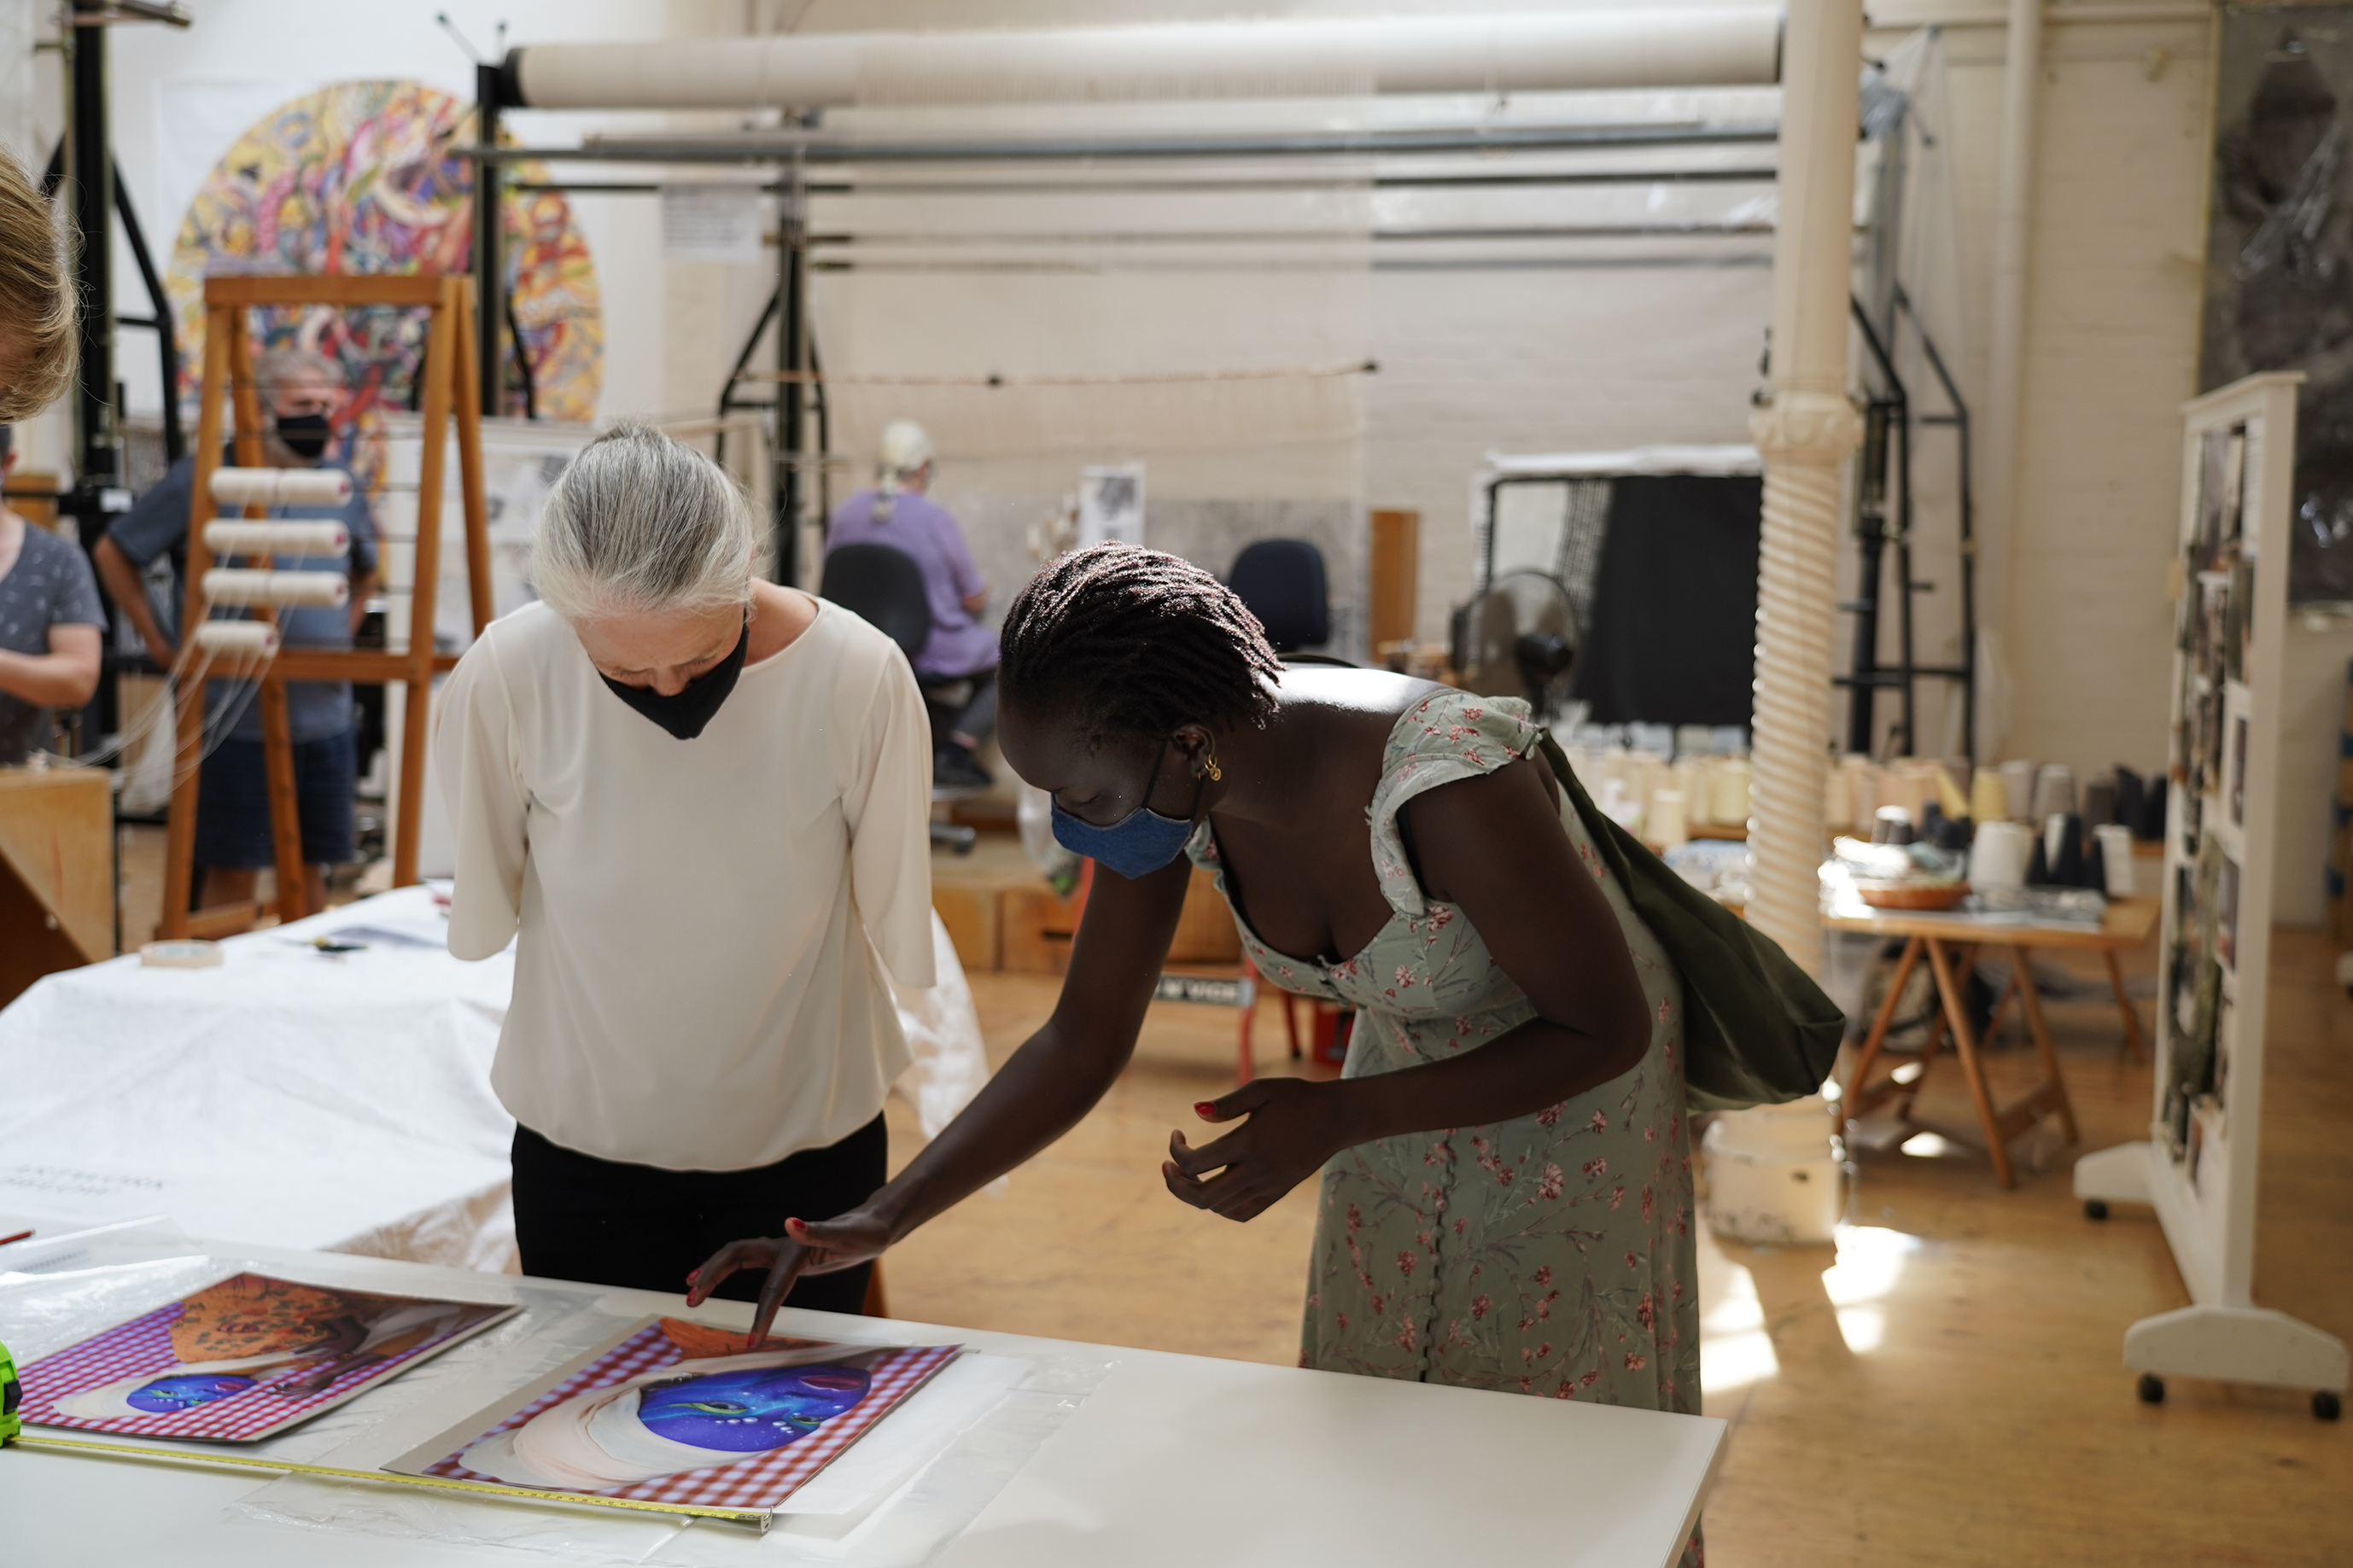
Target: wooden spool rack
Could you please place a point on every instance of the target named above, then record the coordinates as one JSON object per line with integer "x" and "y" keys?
{"x": 448, "y": 392}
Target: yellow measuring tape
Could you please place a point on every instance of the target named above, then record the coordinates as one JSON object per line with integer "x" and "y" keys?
{"x": 756, "y": 1517}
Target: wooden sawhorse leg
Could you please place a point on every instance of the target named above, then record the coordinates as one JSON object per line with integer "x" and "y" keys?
{"x": 1950, "y": 977}
{"x": 2048, "y": 1098}
{"x": 2052, "y": 1094}
{"x": 1858, "y": 1096}
{"x": 2133, "y": 1042}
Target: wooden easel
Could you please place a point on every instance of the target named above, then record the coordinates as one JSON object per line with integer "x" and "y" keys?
{"x": 450, "y": 390}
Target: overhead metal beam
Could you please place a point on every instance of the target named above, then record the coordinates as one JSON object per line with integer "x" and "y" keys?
{"x": 814, "y": 148}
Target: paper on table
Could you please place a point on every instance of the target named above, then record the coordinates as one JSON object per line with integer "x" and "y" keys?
{"x": 243, "y": 1358}
{"x": 931, "y": 1418}
{"x": 671, "y": 1411}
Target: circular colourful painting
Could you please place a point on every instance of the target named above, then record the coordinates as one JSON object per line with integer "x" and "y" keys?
{"x": 364, "y": 177}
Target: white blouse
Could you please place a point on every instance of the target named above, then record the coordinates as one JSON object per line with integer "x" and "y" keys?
{"x": 703, "y": 924}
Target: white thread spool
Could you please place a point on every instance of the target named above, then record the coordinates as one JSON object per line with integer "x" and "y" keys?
{"x": 1728, "y": 792}
{"x": 1838, "y": 797}
{"x": 2054, "y": 791}
{"x": 238, "y": 585}
{"x": 1664, "y": 827}
{"x": 1998, "y": 856}
{"x": 1865, "y": 774}
{"x": 245, "y": 638}
{"x": 2116, "y": 857}
{"x": 2018, "y": 788}
{"x": 1691, "y": 779}
{"x": 1989, "y": 796}
{"x": 276, "y": 538}
{"x": 280, "y": 486}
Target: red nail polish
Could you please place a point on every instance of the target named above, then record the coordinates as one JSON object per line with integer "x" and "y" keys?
{"x": 1205, "y": 1109}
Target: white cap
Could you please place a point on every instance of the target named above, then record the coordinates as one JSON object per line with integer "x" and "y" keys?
{"x": 905, "y": 449}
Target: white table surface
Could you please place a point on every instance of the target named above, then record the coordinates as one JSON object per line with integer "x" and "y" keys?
{"x": 1176, "y": 1460}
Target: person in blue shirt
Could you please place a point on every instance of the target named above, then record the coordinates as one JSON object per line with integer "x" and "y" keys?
{"x": 49, "y": 627}
{"x": 302, "y": 394}
{"x": 961, "y": 653}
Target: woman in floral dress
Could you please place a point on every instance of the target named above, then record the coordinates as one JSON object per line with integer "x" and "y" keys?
{"x": 1506, "y": 1198}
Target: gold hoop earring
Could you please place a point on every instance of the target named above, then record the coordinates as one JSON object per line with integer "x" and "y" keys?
{"x": 1210, "y": 769}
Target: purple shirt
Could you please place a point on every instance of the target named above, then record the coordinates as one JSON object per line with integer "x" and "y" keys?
{"x": 960, "y": 645}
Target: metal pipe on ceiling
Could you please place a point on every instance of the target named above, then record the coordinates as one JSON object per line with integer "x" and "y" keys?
{"x": 1649, "y": 45}
{"x": 814, "y": 148}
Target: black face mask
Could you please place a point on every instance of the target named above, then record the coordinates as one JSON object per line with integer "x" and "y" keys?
{"x": 685, "y": 714}
{"x": 305, "y": 435}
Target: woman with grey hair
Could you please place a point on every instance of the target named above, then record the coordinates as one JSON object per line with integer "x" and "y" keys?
{"x": 700, "y": 802}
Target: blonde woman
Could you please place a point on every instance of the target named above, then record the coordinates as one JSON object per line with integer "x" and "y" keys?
{"x": 36, "y": 298}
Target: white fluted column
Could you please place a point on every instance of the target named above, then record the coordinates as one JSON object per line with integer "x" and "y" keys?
{"x": 1806, "y": 429}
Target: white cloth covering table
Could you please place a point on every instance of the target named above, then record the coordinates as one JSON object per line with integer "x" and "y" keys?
{"x": 1175, "y": 1460}
{"x": 340, "y": 1101}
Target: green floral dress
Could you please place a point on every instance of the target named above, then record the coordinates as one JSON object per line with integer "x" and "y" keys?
{"x": 1551, "y": 1254}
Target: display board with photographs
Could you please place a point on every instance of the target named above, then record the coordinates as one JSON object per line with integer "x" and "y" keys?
{"x": 2229, "y": 609}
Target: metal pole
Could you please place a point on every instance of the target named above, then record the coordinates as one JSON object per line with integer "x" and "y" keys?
{"x": 489, "y": 236}
{"x": 168, "y": 336}
{"x": 90, "y": 168}
{"x": 792, "y": 286}
{"x": 2013, "y": 228}
{"x": 1805, "y": 429}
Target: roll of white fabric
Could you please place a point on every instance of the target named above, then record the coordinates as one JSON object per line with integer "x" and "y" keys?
{"x": 280, "y": 486}
{"x": 224, "y": 538}
{"x": 238, "y": 636}
{"x": 2018, "y": 787}
{"x": 1998, "y": 856}
{"x": 1663, "y": 824}
{"x": 2116, "y": 857}
{"x": 239, "y": 585}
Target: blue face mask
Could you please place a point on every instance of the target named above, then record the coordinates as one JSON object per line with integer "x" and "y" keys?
{"x": 1135, "y": 846}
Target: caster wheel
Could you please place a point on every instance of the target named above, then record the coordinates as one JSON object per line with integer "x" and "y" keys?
{"x": 2096, "y": 1208}
{"x": 2152, "y": 1389}
{"x": 2326, "y": 1406}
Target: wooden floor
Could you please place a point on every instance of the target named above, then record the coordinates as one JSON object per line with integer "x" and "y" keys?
{"x": 1944, "y": 1388}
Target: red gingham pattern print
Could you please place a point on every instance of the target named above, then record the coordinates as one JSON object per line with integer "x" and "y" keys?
{"x": 756, "y": 1483}
{"x": 144, "y": 1346}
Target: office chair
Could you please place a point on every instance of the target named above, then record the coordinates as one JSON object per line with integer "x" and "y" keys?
{"x": 885, "y": 588}
{"x": 1281, "y": 582}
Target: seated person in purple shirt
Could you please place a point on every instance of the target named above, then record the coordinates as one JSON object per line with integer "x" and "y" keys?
{"x": 957, "y": 668}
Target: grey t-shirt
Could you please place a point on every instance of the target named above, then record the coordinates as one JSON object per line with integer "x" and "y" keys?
{"x": 50, "y": 585}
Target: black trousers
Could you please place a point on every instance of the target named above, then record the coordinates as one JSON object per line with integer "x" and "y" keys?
{"x": 644, "y": 1228}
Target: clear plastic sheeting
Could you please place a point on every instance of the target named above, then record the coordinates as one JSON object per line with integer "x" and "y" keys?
{"x": 892, "y": 1498}
{"x": 61, "y": 1288}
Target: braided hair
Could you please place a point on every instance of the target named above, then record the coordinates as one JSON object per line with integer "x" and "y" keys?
{"x": 1132, "y": 641}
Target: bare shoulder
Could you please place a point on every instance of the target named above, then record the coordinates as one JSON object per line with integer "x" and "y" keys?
{"x": 1366, "y": 700}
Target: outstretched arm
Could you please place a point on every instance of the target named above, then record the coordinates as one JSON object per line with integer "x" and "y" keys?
{"x": 1055, "y": 1079}
{"x": 1492, "y": 848}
